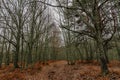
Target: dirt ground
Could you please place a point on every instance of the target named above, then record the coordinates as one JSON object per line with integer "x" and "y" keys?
{"x": 60, "y": 70}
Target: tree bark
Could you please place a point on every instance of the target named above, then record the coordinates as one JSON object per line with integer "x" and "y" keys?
{"x": 104, "y": 67}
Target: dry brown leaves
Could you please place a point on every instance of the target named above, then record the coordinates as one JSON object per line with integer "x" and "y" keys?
{"x": 59, "y": 70}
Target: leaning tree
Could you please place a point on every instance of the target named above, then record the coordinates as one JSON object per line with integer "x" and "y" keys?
{"x": 95, "y": 19}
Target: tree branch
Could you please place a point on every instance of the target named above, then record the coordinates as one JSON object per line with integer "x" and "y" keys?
{"x": 52, "y": 5}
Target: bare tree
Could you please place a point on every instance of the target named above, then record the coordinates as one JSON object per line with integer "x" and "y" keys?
{"x": 14, "y": 15}
{"x": 99, "y": 21}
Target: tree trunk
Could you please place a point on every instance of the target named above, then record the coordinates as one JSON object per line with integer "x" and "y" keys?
{"x": 1, "y": 53}
{"x": 16, "y": 52}
{"x": 16, "y": 59}
{"x": 80, "y": 54}
{"x": 105, "y": 53}
{"x": 104, "y": 67}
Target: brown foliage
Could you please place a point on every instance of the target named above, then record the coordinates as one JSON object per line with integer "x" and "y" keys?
{"x": 59, "y": 70}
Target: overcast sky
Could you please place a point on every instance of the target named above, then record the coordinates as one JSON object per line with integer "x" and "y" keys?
{"x": 56, "y": 17}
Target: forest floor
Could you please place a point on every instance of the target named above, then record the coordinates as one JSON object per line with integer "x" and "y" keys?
{"x": 60, "y": 70}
